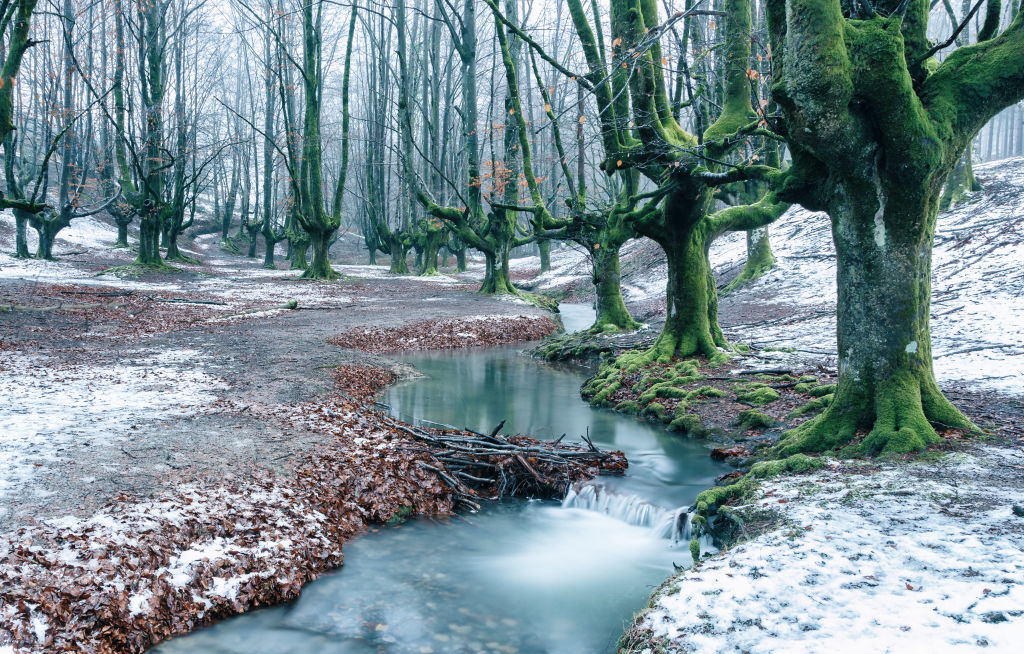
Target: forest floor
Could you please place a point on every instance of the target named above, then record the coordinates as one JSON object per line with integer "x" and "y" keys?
{"x": 921, "y": 554}
{"x": 178, "y": 446}
{"x": 915, "y": 556}
{"x": 153, "y": 420}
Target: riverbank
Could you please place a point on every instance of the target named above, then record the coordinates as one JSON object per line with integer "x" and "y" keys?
{"x": 926, "y": 555}
{"x": 180, "y": 446}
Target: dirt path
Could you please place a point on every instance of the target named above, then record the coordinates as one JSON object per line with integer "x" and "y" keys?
{"x": 157, "y": 391}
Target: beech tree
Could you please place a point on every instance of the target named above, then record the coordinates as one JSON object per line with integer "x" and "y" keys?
{"x": 640, "y": 132}
{"x": 16, "y": 17}
{"x": 875, "y": 125}
{"x": 494, "y": 232}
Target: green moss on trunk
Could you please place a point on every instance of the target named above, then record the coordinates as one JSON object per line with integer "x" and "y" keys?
{"x": 760, "y": 259}
{"x": 612, "y": 313}
{"x": 320, "y": 267}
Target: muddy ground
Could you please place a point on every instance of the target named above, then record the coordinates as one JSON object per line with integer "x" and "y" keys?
{"x": 278, "y": 357}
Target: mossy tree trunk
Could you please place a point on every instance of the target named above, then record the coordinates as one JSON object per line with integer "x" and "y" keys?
{"x": 21, "y": 234}
{"x": 886, "y": 384}
{"x": 961, "y": 181}
{"x": 123, "y": 218}
{"x": 497, "y": 279}
{"x": 611, "y": 312}
{"x": 760, "y": 259}
{"x": 299, "y": 246}
{"x": 398, "y": 248}
{"x": 544, "y": 250}
{"x": 691, "y": 325}
{"x": 149, "y": 239}
{"x": 152, "y": 34}
{"x": 320, "y": 267}
{"x": 881, "y": 128}
{"x": 433, "y": 238}
{"x": 46, "y": 234}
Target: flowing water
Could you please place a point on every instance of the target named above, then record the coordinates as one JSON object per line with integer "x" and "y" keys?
{"x": 519, "y": 576}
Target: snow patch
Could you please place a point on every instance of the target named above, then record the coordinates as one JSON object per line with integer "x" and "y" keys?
{"x": 902, "y": 560}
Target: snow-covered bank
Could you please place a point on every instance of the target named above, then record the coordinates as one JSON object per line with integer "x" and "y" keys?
{"x": 922, "y": 557}
{"x": 977, "y": 289}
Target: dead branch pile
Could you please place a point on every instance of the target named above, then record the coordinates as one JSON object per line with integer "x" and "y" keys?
{"x": 489, "y": 466}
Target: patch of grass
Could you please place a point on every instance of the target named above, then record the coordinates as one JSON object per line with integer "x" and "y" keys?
{"x": 687, "y": 423}
{"x": 136, "y": 270}
{"x": 630, "y": 407}
{"x": 823, "y": 390}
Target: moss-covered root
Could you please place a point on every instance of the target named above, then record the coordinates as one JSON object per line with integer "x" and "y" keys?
{"x": 709, "y": 500}
{"x": 754, "y": 419}
{"x": 901, "y": 417}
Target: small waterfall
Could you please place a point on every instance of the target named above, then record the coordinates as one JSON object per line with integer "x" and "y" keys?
{"x": 633, "y": 510}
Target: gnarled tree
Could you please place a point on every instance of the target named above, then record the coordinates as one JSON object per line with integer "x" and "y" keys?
{"x": 883, "y": 124}
{"x": 640, "y": 132}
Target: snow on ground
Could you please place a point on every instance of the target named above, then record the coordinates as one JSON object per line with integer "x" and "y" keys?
{"x": 924, "y": 557}
{"x": 52, "y": 411}
{"x": 977, "y": 290}
{"x": 234, "y": 280}
{"x": 381, "y": 272}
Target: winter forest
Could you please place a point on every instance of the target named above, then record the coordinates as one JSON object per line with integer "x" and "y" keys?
{"x": 511, "y": 326}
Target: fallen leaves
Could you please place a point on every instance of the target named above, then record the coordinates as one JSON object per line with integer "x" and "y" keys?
{"x": 141, "y": 571}
{"x": 446, "y": 334}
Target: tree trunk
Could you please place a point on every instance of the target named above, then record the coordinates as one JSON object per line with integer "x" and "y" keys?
{"x": 545, "y": 255}
{"x": 149, "y": 242}
{"x": 399, "y": 266}
{"x": 759, "y": 259}
{"x": 497, "y": 279}
{"x": 298, "y": 246}
{"x": 691, "y": 324}
{"x": 268, "y": 252}
{"x": 122, "y": 232}
{"x": 21, "y": 235}
{"x": 173, "y": 253}
{"x": 611, "y": 310}
{"x": 431, "y": 246}
{"x": 960, "y": 182}
{"x": 691, "y": 298}
{"x": 253, "y": 231}
{"x": 886, "y": 383}
{"x": 320, "y": 267}
{"x": 46, "y": 236}
{"x": 460, "y": 260}
{"x": 373, "y": 255}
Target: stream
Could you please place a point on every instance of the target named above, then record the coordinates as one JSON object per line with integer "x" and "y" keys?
{"x": 519, "y": 576}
